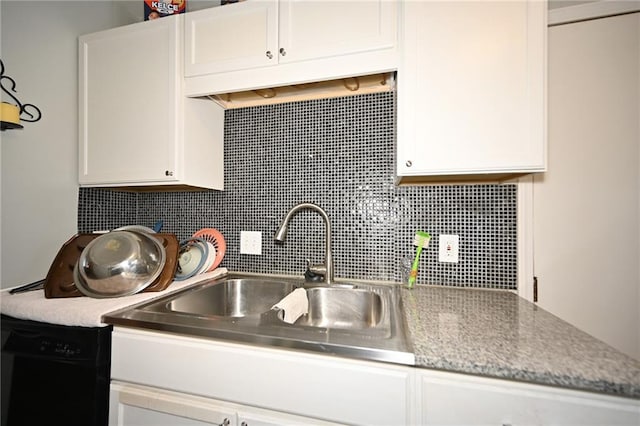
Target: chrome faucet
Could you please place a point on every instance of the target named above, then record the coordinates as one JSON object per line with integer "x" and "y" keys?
{"x": 325, "y": 269}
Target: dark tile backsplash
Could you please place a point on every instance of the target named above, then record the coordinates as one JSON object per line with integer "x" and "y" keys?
{"x": 339, "y": 154}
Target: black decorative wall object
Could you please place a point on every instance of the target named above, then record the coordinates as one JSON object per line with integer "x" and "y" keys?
{"x": 25, "y": 111}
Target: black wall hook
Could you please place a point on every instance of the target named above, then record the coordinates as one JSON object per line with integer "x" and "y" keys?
{"x": 28, "y": 112}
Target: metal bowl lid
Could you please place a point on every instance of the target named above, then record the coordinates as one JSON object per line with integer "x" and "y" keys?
{"x": 119, "y": 263}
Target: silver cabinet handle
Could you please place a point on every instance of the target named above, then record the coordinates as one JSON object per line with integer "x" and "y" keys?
{"x": 225, "y": 422}
{"x": 244, "y": 424}
{"x": 283, "y": 52}
{"x": 408, "y": 163}
{"x": 269, "y": 54}
{"x": 168, "y": 173}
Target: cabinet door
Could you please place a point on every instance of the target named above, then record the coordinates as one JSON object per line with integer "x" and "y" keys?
{"x": 231, "y": 37}
{"x": 471, "y": 88}
{"x": 305, "y": 41}
{"x": 453, "y": 399}
{"x": 316, "y": 29}
{"x": 133, "y": 405}
{"x": 128, "y": 103}
{"x": 138, "y": 405}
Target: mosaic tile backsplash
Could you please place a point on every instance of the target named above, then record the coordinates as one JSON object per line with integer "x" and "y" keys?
{"x": 339, "y": 154}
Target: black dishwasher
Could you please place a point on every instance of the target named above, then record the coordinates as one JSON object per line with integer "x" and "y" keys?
{"x": 54, "y": 374}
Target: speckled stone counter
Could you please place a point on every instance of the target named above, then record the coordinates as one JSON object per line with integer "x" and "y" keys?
{"x": 499, "y": 334}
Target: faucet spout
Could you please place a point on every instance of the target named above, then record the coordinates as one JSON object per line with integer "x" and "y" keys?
{"x": 325, "y": 269}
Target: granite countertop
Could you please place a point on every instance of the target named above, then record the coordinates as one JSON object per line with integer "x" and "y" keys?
{"x": 488, "y": 333}
{"x": 499, "y": 334}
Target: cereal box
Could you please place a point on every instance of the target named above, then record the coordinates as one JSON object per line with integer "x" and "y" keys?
{"x": 154, "y": 9}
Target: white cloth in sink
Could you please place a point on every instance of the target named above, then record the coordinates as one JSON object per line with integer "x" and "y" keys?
{"x": 294, "y": 305}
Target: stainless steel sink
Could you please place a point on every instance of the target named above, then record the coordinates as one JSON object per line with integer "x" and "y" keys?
{"x": 358, "y": 320}
{"x": 343, "y": 308}
{"x": 232, "y": 298}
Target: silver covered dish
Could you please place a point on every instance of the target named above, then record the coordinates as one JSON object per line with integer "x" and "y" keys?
{"x": 119, "y": 263}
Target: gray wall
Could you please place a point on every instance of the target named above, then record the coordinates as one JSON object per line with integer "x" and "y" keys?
{"x": 39, "y": 163}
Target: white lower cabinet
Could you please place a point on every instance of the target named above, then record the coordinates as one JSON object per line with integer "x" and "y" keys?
{"x": 143, "y": 405}
{"x": 285, "y": 382}
{"x": 454, "y": 399}
{"x": 165, "y": 379}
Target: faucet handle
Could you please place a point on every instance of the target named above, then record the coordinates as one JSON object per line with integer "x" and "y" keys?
{"x": 314, "y": 273}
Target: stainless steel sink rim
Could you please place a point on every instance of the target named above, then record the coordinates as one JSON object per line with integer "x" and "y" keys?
{"x": 386, "y": 341}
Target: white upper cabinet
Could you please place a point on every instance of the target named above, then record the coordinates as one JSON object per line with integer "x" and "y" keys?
{"x": 471, "y": 89}
{"x": 136, "y": 128}
{"x": 268, "y": 43}
{"x": 318, "y": 29}
{"x": 234, "y": 37}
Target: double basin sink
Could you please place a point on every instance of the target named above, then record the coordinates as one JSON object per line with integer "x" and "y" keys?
{"x": 357, "y": 320}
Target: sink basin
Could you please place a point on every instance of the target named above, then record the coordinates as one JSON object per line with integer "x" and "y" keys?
{"x": 234, "y": 298}
{"x": 357, "y": 320}
{"x": 342, "y": 308}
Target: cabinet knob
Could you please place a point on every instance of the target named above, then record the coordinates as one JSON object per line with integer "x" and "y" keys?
{"x": 408, "y": 163}
{"x": 168, "y": 173}
{"x": 225, "y": 422}
{"x": 244, "y": 424}
{"x": 283, "y": 52}
{"x": 269, "y": 54}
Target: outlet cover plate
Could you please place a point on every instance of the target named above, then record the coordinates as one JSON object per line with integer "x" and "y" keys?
{"x": 251, "y": 242}
{"x": 449, "y": 248}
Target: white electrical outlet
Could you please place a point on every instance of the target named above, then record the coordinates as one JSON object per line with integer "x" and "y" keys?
{"x": 251, "y": 242}
{"x": 449, "y": 248}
